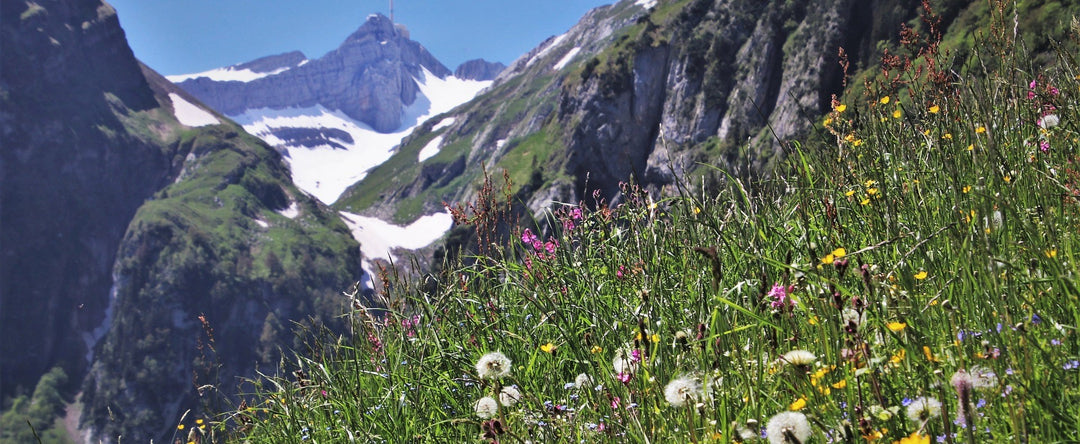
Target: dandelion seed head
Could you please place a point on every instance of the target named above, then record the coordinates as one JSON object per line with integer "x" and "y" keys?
{"x": 983, "y": 378}
{"x": 784, "y": 423}
{"x": 583, "y": 381}
{"x": 487, "y": 407}
{"x": 1049, "y": 121}
{"x": 509, "y": 395}
{"x": 493, "y": 365}
{"x": 799, "y": 358}
{"x": 923, "y": 409}
{"x": 682, "y": 390}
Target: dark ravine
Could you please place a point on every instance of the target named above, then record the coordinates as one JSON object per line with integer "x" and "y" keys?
{"x": 201, "y": 228}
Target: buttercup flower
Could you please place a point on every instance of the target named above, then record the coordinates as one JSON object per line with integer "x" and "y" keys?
{"x": 788, "y": 428}
{"x": 493, "y": 366}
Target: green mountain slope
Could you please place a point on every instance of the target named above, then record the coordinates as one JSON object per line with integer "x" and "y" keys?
{"x": 148, "y": 258}
{"x": 652, "y": 96}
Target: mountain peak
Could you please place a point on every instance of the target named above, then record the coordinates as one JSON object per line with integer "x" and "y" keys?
{"x": 378, "y": 27}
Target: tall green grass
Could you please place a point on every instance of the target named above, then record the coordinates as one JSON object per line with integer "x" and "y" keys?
{"x": 920, "y": 249}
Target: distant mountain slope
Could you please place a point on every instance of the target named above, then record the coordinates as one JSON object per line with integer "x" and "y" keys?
{"x": 134, "y": 221}
{"x": 656, "y": 92}
{"x": 339, "y": 115}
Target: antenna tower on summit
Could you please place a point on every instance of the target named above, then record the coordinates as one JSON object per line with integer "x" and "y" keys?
{"x": 391, "y": 11}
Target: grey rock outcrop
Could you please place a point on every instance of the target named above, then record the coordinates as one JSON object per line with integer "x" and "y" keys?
{"x": 274, "y": 62}
{"x": 479, "y": 69}
{"x": 371, "y": 77}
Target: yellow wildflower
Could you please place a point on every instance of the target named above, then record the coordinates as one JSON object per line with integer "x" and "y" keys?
{"x": 898, "y": 357}
{"x": 840, "y": 108}
{"x": 799, "y": 404}
{"x": 914, "y": 438}
{"x": 828, "y": 121}
{"x": 849, "y": 193}
{"x": 884, "y": 100}
{"x": 895, "y": 326}
{"x": 697, "y": 210}
{"x": 929, "y": 355}
{"x": 865, "y": 201}
{"x": 180, "y": 427}
{"x": 934, "y": 109}
{"x": 947, "y": 136}
{"x": 1051, "y": 253}
{"x": 981, "y": 129}
{"x": 967, "y": 189}
{"x": 596, "y": 349}
{"x": 872, "y": 191}
{"x": 548, "y": 348}
{"x": 971, "y": 147}
{"x": 840, "y": 384}
{"x": 839, "y": 252}
{"x": 921, "y": 275}
{"x": 896, "y": 114}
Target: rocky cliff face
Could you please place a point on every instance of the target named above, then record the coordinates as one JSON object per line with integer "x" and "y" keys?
{"x": 148, "y": 244}
{"x": 644, "y": 91}
{"x": 72, "y": 177}
{"x": 479, "y": 69}
{"x": 370, "y": 78}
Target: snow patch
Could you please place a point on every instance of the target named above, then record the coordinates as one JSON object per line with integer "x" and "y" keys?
{"x": 325, "y": 171}
{"x": 189, "y": 114}
{"x": 378, "y": 238}
{"x": 645, "y": 3}
{"x": 566, "y": 58}
{"x": 291, "y": 212}
{"x": 262, "y": 223}
{"x": 500, "y": 143}
{"x": 443, "y": 123}
{"x": 229, "y": 74}
{"x": 431, "y": 149}
{"x": 547, "y": 49}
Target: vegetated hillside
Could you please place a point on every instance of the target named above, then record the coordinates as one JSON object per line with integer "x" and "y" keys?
{"x": 651, "y": 95}
{"x": 907, "y": 275}
{"x": 148, "y": 243}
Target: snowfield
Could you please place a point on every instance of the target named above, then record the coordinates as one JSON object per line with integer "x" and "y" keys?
{"x": 567, "y": 58}
{"x": 378, "y": 238}
{"x": 431, "y": 149}
{"x": 229, "y": 74}
{"x": 189, "y": 114}
{"x": 325, "y": 172}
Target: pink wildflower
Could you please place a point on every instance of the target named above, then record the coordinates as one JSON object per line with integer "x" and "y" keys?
{"x": 528, "y": 237}
{"x": 779, "y": 297}
{"x": 551, "y": 245}
{"x": 624, "y": 377}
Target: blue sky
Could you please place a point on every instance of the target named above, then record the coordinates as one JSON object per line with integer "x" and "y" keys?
{"x": 180, "y": 37}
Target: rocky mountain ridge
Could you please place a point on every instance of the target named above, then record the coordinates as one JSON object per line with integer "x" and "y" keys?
{"x": 150, "y": 245}
{"x": 650, "y": 92}
{"x": 369, "y": 78}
